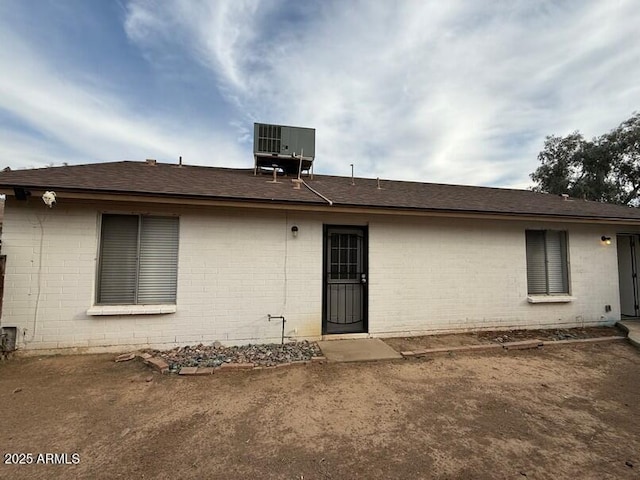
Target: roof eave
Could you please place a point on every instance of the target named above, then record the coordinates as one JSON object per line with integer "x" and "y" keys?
{"x": 320, "y": 206}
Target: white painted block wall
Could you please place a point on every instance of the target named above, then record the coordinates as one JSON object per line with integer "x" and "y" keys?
{"x": 231, "y": 275}
{"x": 236, "y": 266}
{"x": 431, "y": 275}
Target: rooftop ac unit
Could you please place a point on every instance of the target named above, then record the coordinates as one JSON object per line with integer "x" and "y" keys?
{"x": 288, "y": 148}
{"x": 282, "y": 140}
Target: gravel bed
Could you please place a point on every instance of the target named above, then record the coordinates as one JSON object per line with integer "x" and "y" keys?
{"x": 550, "y": 334}
{"x": 216, "y": 354}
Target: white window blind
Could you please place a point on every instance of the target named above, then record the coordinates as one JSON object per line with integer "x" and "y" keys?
{"x": 138, "y": 260}
{"x": 547, "y": 271}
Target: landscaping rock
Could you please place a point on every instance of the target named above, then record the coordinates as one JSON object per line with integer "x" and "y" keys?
{"x": 524, "y": 345}
{"x": 158, "y": 364}
{"x": 204, "y": 371}
{"x": 188, "y": 370}
{"x": 125, "y": 357}
{"x": 247, "y": 356}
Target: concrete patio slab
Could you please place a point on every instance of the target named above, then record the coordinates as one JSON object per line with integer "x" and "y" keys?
{"x": 632, "y": 327}
{"x": 359, "y": 350}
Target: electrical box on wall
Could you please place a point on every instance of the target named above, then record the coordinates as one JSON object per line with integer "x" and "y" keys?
{"x": 8, "y": 339}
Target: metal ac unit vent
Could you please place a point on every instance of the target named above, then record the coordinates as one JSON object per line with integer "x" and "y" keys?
{"x": 269, "y": 138}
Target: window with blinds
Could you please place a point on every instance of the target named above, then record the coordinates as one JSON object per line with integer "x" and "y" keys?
{"x": 547, "y": 272}
{"x": 138, "y": 260}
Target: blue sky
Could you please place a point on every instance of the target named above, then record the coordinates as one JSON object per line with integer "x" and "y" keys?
{"x": 452, "y": 92}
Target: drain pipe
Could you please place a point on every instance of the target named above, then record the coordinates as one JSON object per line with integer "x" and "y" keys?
{"x": 269, "y": 316}
{"x": 316, "y": 192}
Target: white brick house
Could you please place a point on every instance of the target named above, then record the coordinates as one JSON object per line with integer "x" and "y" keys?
{"x": 136, "y": 254}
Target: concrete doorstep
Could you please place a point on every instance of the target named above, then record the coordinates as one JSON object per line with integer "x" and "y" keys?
{"x": 632, "y": 327}
{"x": 358, "y": 350}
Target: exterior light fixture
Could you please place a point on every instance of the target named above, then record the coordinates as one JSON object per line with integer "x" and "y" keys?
{"x": 294, "y": 231}
{"x": 606, "y": 240}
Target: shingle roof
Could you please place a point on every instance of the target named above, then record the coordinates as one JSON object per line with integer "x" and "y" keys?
{"x": 141, "y": 178}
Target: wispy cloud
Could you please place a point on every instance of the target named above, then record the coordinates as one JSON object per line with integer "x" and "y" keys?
{"x": 55, "y": 116}
{"x": 441, "y": 91}
{"x": 457, "y": 91}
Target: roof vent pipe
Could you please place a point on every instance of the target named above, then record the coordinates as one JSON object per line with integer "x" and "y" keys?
{"x": 275, "y": 174}
{"x": 352, "y": 181}
{"x": 180, "y": 161}
{"x": 300, "y": 165}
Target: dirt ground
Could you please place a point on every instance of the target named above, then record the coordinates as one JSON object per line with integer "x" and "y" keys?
{"x": 561, "y": 412}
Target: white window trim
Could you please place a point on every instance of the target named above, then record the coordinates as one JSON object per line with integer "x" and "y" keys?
{"x": 131, "y": 309}
{"x": 550, "y": 298}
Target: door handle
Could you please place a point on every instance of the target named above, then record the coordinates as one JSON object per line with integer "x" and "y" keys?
{"x": 363, "y": 278}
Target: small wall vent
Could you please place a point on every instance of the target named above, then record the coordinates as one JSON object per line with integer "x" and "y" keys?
{"x": 290, "y": 149}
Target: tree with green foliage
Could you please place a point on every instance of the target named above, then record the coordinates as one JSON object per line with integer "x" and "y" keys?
{"x": 605, "y": 169}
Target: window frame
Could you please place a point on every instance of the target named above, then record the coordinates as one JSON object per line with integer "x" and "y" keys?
{"x": 563, "y": 276}
{"x": 100, "y": 262}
